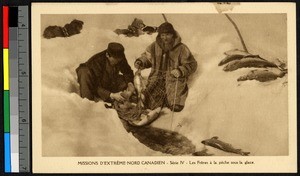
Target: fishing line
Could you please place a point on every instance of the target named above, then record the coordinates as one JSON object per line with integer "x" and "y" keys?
{"x": 172, "y": 115}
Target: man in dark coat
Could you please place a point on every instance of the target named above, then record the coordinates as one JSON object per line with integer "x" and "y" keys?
{"x": 99, "y": 77}
{"x": 171, "y": 64}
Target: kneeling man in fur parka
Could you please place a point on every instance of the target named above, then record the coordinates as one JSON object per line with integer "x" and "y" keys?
{"x": 171, "y": 64}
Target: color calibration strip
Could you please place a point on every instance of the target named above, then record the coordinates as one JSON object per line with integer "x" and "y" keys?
{"x": 16, "y": 89}
{"x": 6, "y": 93}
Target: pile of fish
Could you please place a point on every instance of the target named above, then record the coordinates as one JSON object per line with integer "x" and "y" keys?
{"x": 132, "y": 109}
{"x": 136, "y": 29}
{"x": 68, "y": 30}
{"x": 236, "y": 59}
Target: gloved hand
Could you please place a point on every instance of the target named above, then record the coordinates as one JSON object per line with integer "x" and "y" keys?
{"x": 138, "y": 64}
{"x": 176, "y": 73}
{"x": 117, "y": 96}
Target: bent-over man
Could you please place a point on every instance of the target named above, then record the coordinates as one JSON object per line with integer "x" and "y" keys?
{"x": 100, "y": 78}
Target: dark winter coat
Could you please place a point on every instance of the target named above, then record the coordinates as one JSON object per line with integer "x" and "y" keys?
{"x": 106, "y": 75}
{"x": 178, "y": 57}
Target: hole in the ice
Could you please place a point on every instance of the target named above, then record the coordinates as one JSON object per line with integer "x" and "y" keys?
{"x": 72, "y": 84}
{"x": 73, "y": 87}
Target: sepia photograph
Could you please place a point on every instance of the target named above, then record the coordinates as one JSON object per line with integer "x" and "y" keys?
{"x": 203, "y": 86}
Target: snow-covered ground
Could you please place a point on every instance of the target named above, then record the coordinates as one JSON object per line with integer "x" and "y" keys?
{"x": 249, "y": 115}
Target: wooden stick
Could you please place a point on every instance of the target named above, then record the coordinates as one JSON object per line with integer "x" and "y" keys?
{"x": 238, "y": 31}
{"x": 165, "y": 18}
